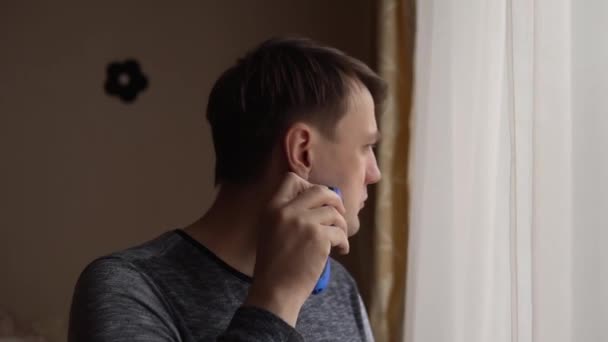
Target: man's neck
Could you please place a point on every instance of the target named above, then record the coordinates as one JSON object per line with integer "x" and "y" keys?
{"x": 230, "y": 227}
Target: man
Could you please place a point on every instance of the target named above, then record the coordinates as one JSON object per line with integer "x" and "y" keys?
{"x": 289, "y": 120}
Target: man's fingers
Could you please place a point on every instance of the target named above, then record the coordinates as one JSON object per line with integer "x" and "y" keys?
{"x": 317, "y": 196}
{"x": 338, "y": 239}
{"x": 329, "y": 216}
{"x": 290, "y": 188}
{"x": 317, "y": 205}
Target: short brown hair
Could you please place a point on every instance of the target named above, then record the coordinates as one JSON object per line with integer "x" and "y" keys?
{"x": 281, "y": 81}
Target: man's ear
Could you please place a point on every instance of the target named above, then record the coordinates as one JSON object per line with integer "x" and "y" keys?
{"x": 298, "y": 152}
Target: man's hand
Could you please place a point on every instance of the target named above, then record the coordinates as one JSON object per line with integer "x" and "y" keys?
{"x": 302, "y": 223}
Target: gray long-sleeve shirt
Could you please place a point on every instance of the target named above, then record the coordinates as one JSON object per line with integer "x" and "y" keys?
{"x": 174, "y": 289}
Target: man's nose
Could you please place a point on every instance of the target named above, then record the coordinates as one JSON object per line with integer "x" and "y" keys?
{"x": 373, "y": 174}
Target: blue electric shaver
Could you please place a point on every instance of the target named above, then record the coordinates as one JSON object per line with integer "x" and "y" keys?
{"x": 324, "y": 278}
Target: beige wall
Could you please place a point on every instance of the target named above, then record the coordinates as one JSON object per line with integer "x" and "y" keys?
{"x": 84, "y": 174}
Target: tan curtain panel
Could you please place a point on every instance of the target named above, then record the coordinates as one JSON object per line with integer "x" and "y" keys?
{"x": 396, "y": 27}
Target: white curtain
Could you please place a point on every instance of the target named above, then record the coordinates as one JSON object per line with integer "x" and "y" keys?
{"x": 509, "y": 172}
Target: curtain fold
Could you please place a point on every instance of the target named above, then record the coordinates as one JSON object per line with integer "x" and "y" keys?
{"x": 458, "y": 285}
{"x": 507, "y": 172}
{"x": 395, "y": 63}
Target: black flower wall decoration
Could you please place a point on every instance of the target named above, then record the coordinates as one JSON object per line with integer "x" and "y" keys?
{"x": 125, "y": 80}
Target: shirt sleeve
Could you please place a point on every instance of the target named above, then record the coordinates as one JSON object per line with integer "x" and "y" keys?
{"x": 114, "y": 301}
{"x": 255, "y": 324}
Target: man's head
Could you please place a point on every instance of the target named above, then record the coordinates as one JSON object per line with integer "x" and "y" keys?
{"x": 311, "y": 106}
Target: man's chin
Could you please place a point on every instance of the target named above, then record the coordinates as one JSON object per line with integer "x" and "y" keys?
{"x": 353, "y": 228}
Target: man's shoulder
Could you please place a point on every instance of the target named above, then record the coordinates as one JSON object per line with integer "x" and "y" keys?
{"x": 131, "y": 264}
{"x": 335, "y": 312}
{"x": 343, "y": 278}
{"x": 343, "y": 287}
{"x": 158, "y": 247}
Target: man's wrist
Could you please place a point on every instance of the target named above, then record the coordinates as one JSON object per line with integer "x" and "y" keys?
{"x": 283, "y": 306}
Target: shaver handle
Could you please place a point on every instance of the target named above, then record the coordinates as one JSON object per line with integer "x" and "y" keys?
{"x": 323, "y": 281}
